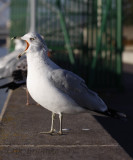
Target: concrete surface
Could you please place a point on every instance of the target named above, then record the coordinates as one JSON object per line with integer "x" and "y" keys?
{"x": 105, "y": 139}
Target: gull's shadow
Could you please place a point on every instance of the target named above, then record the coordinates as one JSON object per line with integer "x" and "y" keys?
{"x": 121, "y": 131}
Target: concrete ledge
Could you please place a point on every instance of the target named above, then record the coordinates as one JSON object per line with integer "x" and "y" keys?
{"x": 20, "y": 138}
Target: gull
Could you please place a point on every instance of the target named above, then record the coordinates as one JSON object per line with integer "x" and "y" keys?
{"x": 13, "y": 72}
{"x": 9, "y": 62}
{"x": 58, "y": 90}
{"x": 10, "y": 75}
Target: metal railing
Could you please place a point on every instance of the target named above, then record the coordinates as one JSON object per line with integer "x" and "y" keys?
{"x": 85, "y": 35}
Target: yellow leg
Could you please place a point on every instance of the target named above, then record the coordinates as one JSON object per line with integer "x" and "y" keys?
{"x": 27, "y": 100}
{"x": 52, "y": 130}
{"x": 27, "y": 96}
{"x": 60, "y": 118}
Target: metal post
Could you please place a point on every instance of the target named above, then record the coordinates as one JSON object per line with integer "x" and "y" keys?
{"x": 65, "y": 32}
{"x": 32, "y": 15}
{"x": 98, "y": 44}
{"x": 119, "y": 41}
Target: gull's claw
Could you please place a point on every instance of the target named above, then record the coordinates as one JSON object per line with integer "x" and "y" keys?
{"x": 60, "y": 133}
{"x": 49, "y": 132}
{"x": 27, "y": 104}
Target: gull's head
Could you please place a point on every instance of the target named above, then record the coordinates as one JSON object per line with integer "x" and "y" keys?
{"x": 19, "y": 44}
{"x": 33, "y": 40}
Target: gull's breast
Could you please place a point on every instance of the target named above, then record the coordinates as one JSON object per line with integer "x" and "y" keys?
{"x": 51, "y": 98}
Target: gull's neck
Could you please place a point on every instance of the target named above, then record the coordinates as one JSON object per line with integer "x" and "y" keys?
{"x": 38, "y": 60}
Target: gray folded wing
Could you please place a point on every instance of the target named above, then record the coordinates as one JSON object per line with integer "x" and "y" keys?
{"x": 74, "y": 86}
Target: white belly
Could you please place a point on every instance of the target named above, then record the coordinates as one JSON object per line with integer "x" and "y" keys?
{"x": 44, "y": 93}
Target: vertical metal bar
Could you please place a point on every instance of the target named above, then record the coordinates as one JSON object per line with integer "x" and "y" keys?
{"x": 115, "y": 41}
{"x": 106, "y": 63}
{"x": 111, "y": 46}
{"x": 92, "y": 27}
{"x": 65, "y": 32}
{"x": 99, "y": 39}
{"x": 28, "y": 17}
{"x": 98, "y": 20}
{"x": 33, "y": 16}
{"x": 119, "y": 40}
{"x": 37, "y": 17}
{"x": 78, "y": 18}
{"x": 87, "y": 26}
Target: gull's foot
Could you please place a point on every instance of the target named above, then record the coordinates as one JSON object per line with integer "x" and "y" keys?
{"x": 30, "y": 104}
{"x": 49, "y": 132}
{"x": 60, "y": 133}
{"x": 27, "y": 104}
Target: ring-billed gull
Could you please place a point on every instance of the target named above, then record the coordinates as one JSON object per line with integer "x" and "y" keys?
{"x": 9, "y": 62}
{"x": 12, "y": 71}
{"x": 56, "y": 89}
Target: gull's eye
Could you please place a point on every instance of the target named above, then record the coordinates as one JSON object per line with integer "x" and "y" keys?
{"x": 32, "y": 39}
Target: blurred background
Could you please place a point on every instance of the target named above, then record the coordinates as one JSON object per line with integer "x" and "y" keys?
{"x": 92, "y": 38}
{"x": 85, "y": 35}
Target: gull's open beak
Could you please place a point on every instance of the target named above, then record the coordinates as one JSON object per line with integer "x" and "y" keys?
{"x": 21, "y": 54}
{"x": 27, "y": 46}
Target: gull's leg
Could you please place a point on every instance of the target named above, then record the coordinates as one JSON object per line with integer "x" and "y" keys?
{"x": 52, "y": 126}
{"x": 52, "y": 123}
{"x": 27, "y": 100}
{"x": 60, "y": 118}
{"x": 27, "y": 96}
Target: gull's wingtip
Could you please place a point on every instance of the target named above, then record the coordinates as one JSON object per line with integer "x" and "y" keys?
{"x": 116, "y": 114}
